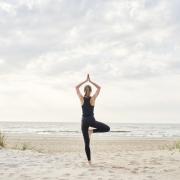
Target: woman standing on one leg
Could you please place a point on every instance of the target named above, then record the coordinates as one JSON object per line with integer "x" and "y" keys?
{"x": 88, "y": 119}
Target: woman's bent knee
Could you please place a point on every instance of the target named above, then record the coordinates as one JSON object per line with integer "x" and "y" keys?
{"x": 107, "y": 129}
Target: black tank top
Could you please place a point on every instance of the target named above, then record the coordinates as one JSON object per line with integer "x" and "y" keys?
{"x": 87, "y": 108}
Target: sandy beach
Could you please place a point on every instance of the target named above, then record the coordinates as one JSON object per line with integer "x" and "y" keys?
{"x": 45, "y": 157}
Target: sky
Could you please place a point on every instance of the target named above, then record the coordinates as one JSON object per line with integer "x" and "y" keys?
{"x": 131, "y": 48}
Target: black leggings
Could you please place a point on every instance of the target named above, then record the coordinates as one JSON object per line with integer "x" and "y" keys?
{"x": 100, "y": 127}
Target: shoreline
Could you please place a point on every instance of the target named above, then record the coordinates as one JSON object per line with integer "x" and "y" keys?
{"x": 79, "y": 136}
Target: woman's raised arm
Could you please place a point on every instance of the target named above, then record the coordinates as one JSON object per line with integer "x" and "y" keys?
{"x": 79, "y": 85}
{"x": 97, "y": 90}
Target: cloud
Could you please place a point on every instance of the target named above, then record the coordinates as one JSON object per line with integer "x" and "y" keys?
{"x": 110, "y": 31}
{"x": 52, "y": 44}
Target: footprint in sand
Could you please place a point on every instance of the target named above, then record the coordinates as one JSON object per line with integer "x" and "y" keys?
{"x": 45, "y": 178}
{"x": 133, "y": 163}
{"x": 11, "y": 174}
{"x": 66, "y": 174}
{"x": 145, "y": 169}
{"x": 134, "y": 172}
{"x": 67, "y": 164}
{"x": 119, "y": 167}
{"x": 168, "y": 170}
{"x": 82, "y": 174}
{"x": 110, "y": 171}
{"x": 151, "y": 177}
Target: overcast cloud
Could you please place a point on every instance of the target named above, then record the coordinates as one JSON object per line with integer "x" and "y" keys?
{"x": 131, "y": 48}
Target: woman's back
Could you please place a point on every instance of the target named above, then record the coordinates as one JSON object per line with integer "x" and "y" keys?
{"x": 87, "y": 108}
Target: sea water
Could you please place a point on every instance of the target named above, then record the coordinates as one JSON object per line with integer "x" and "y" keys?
{"x": 74, "y": 129}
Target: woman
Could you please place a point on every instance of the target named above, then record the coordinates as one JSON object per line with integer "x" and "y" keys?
{"x": 88, "y": 119}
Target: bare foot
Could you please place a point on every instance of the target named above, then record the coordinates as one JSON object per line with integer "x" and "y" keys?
{"x": 89, "y": 162}
{"x": 90, "y": 131}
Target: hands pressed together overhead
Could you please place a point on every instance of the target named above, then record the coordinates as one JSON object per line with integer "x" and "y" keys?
{"x": 88, "y": 79}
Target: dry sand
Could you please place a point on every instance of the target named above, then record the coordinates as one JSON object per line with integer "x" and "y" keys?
{"x": 52, "y": 157}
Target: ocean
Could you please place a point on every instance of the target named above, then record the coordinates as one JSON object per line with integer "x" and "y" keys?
{"x": 74, "y": 129}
